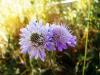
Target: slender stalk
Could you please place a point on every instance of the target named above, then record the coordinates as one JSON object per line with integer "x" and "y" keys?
{"x": 85, "y": 55}
{"x": 50, "y": 57}
{"x": 86, "y": 42}
{"x": 32, "y": 73}
{"x": 23, "y": 73}
{"x": 39, "y": 64}
{"x": 51, "y": 60}
{"x": 54, "y": 57}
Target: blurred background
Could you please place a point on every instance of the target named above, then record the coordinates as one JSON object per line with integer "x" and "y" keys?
{"x": 81, "y": 16}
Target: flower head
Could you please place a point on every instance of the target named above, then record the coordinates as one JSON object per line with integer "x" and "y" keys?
{"x": 60, "y": 38}
{"x": 32, "y": 40}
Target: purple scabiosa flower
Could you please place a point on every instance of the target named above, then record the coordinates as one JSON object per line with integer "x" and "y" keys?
{"x": 32, "y": 40}
{"x": 60, "y": 38}
{"x": 49, "y": 44}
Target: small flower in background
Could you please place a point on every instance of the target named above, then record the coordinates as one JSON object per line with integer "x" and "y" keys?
{"x": 32, "y": 40}
{"x": 60, "y": 37}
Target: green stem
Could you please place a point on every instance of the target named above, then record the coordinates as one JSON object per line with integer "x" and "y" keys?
{"x": 49, "y": 58}
{"x": 32, "y": 73}
{"x": 39, "y": 64}
{"x": 86, "y": 42}
{"x": 85, "y": 55}
{"x": 23, "y": 73}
